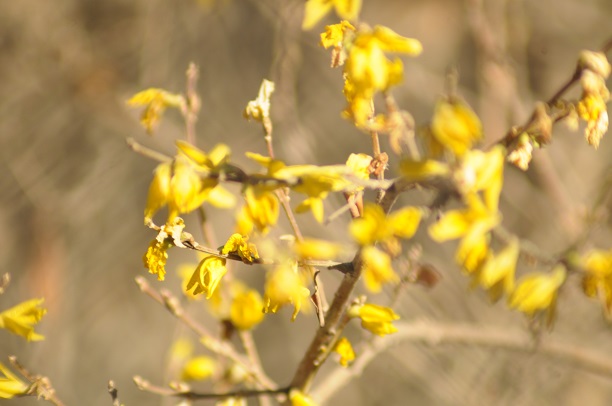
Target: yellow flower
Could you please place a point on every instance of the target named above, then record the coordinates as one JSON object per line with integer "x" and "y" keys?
{"x": 472, "y": 225}
{"x": 155, "y": 101}
{"x": 317, "y": 9}
{"x": 246, "y": 310}
{"x": 482, "y": 172}
{"x": 419, "y": 170}
{"x": 368, "y": 70}
{"x": 207, "y": 276}
{"x": 597, "y": 281}
{"x": 198, "y": 369}
{"x": 317, "y": 249}
{"x": 299, "y": 398}
{"x": 376, "y": 319}
{"x": 260, "y": 211}
{"x": 345, "y": 349}
{"x": 375, "y": 226}
{"x": 456, "y": 126}
{"x": 155, "y": 258}
{"x": 592, "y": 108}
{"x": 239, "y": 245}
{"x": 538, "y": 292}
{"x": 21, "y": 319}
{"x": 10, "y": 385}
{"x": 497, "y": 273}
{"x": 334, "y": 34}
{"x": 158, "y": 190}
{"x": 233, "y": 401}
{"x": 284, "y": 285}
{"x": 377, "y": 269}
{"x": 184, "y": 272}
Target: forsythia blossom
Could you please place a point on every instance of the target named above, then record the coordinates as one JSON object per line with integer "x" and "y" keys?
{"x": 374, "y": 318}
{"x": 285, "y": 285}
{"x": 10, "y": 385}
{"x": 239, "y": 245}
{"x": 207, "y": 276}
{"x": 344, "y": 348}
{"x": 597, "y": 280}
{"x": 299, "y": 398}
{"x": 22, "y": 318}
{"x": 155, "y": 101}
{"x": 537, "y": 292}
{"x": 317, "y": 9}
{"x": 455, "y": 126}
{"x": 198, "y": 369}
{"x": 246, "y": 310}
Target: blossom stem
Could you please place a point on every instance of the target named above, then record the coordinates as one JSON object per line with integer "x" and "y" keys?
{"x": 209, "y": 341}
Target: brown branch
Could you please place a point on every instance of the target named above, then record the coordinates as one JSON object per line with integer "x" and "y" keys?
{"x": 145, "y": 385}
{"x": 223, "y": 348}
{"x": 325, "y": 335}
{"x": 113, "y": 393}
{"x": 147, "y": 152}
{"x": 436, "y": 334}
{"x": 40, "y": 386}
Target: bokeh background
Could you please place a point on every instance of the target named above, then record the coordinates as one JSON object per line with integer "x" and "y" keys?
{"x": 72, "y": 193}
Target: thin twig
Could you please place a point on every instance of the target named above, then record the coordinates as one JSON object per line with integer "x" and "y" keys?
{"x": 147, "y": 152}
{"x": 436, "y": 334}
{"x": 145, "y": 385}
{"x": 251, "y": 350}
{"x": 113, "y": 393}
{"x": 173, "y": 305}
{"x": 40, "y": 386}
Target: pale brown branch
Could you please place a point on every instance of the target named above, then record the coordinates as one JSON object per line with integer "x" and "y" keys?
{"x": 436, "y": 334}
{"x": 40, "y": 386}
{"x": 145, "y": 385}
{"x": 147, "y": 152}
{"x": 113, "y": 393}
{"x": 223, "y": 348}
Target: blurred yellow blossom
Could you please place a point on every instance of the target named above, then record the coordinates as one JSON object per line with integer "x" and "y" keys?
{"x": 299, "y": 398}
{"x": 377, "y": 268}
{"x": 10, "y": 385}
{"x": 259, "y": 109}
{"x": 336, "y": 36}
{"x": 22, "y": 318}
{"x": 198, "y": 369}
{"x": 375, "y": 226}
{"x": 376, "y": 319}
{"x": 238, "y": 244}
{"x": 497, "y": 274}
{"x": 260, "y": 210}
{"x": 155, "y": 101}
{"x": 184, "y": 271}
{"x": 597, "y": 279}
{"x": 538, "y": 292}
{"x": 344, "y": 348}
{"x": 317, "y": 9}
{"x": 207, "y": 276}
{"x": 232, "y": 401}
{"x": 316, "y": 249}
{"x": 482, "y": 172}
{"x": 285, "y": 285}
{"x": 456, "y": 126}
{"x": 368, "y": 70}
{"x": 246, "y": 310}
{"x": 472, "y": 225}
{"x": 419, "y": 170}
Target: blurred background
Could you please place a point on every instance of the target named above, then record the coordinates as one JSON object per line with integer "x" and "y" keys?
{"x": 72, "y": 193}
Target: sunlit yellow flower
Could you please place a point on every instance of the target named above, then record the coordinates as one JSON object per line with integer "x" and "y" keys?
{"x": 260, "y": 211}
{"x": 155, "y": 258}
{"x": 376, "y": 319}
{"x": 155, "y": 101}
{"x": 472, "y": 225}
{"x": 592, "y": 108}
{"x": 359, "y": 164}
{"x": 10, "y": 385}
{"x": 377, "y": 268}
{"x": 497, "y": 274}
{"x": 310, "y": 248}
{"x": 232, "y": 401}
{"x": 456, "y": 126}
{"x": 207, "y": 276}
{"x": 334, "y": 34}
{"x": 22, "y": 318}
{"x": 345, "y": 349}
{"x": 419, "y": 170}
{"x": 198, "y": 369}
{"x": 368, "y": 70}
{"x": 597, "y": 281}
{"x": 538, "y": 291}
{"x": 246, "y": 310}
{"x": 185, "y": 271}
{"x": 299, "y": 398}
{"x": 375, "y": 226}
{"x": 284, "y": 285}
{"x": 205, "y": 162}
{"x": 482, "y": 172}
{"x": 158, "y": 190}
{"x": 521, "y": 155}
{"x": 317, "y": 9}
{"x": 180, "y": 351}
{"x": 239, "y": 245}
